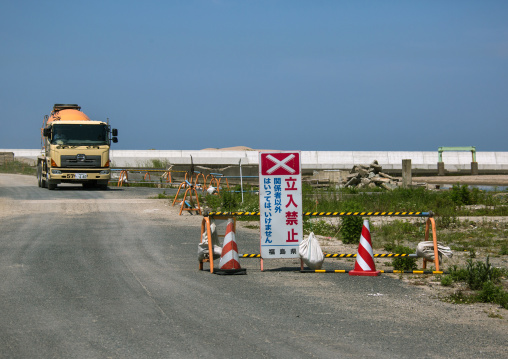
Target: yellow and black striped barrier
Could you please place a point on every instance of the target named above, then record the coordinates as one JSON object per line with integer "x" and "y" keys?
{"x": 382, "y": 271}
{"x": 376, "y": 255}
{"x": 332, "y": 214}
{"x": 343, "y": 255}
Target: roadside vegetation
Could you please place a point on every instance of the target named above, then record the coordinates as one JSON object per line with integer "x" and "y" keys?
{"x": 18, "y": 167}
{"x": 482, "y": 283}
{"x": 447, "y": 207}
{"x": 476, "y": 234}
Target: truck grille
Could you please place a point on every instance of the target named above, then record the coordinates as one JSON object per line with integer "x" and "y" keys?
{"x": 81, "y": 160}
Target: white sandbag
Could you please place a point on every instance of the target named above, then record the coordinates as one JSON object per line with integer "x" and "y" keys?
{"x": 426, "y": 250}
{"x": 311, "y": 253}
{"x": 203, "y": 246}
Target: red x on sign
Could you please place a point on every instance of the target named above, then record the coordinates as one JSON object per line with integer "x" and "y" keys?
{"x": 280, "y": 163}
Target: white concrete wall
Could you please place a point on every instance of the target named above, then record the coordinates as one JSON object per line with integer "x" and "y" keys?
{"x": 310, "y": 159}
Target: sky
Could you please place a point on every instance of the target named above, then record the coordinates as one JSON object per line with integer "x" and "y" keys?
{"x": 267, "y": 74}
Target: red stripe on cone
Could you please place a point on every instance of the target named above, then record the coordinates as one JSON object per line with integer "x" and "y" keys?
{"x": 364, "y": 265}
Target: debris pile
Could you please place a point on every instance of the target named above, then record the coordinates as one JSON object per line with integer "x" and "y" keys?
{"x": 370, "y": 176}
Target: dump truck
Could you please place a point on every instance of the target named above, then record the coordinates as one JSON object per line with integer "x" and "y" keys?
{"x": 75, "y": 149}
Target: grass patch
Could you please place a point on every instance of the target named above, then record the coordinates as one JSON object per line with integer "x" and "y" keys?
{"x": 320, "y": 227}
{"x": 162, "y": 195}
{"x": 404, "y": 263}
{"x": 447, "y": 205}
{"x": 489, "y": 293}
{"x": 480, "y": 277}
{"x": 18, "y": 167}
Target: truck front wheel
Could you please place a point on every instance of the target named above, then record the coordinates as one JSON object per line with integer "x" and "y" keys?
{"x": 51, "y": 185}
{"x": 43, "y": 181}
{"x": 39, "y": 175}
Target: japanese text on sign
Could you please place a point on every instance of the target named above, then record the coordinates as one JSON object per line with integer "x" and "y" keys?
{"x": 280, "y": 198}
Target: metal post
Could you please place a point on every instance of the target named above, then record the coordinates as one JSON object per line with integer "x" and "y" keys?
{"x": 241, "y": 178}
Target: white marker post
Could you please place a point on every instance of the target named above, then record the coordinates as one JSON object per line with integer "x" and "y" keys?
{"x": 280, "y": 204}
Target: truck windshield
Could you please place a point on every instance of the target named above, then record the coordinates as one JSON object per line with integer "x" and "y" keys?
{"x": 80, "y": 135}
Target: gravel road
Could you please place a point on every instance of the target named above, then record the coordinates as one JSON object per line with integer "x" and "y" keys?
{"x": 114, "y": 274}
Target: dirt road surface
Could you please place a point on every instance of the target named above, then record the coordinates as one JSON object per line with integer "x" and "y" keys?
{"x": 114, "y": 274}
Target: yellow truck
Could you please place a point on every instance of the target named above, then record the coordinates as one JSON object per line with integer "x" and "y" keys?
{"x": 75, "y": 149}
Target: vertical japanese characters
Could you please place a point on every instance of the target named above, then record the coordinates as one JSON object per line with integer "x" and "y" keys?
{"x": 280, "y": 204}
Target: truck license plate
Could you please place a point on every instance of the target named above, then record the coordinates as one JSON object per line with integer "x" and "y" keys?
{"x": 81, "y": 175}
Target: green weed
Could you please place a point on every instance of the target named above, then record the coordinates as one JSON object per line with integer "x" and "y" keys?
{"x": 403, "y": 263}
{"x": 18, "y": 167}
{"x": 447, "y": 280}
{"x": 351, "y": 227}
{"x": 479, "y": 272}
{"x": 491, "y": 293}
{"x": 320, "y": 227}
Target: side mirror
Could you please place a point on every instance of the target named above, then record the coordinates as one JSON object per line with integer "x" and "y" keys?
{"x": 114, "y": 139}
{"x": 46, "y": 132}
{"x": 114, "y": 132}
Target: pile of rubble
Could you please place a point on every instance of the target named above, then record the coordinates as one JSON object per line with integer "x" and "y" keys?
{"x": 370, "y": 177}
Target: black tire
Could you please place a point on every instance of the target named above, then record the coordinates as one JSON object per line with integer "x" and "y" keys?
{"x": 51, "y": 185}
{"x": 89, "y": 184}
{"x": 39, "y": 175}
{"x": 102, "y": 184}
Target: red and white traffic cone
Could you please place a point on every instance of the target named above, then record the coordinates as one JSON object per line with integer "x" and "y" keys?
{"x": 229, "y": 261}
{"x": 364, "y": 264}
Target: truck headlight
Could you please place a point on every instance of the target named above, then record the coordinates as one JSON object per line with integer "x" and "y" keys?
{"x": 105, "y": 172}
{"x": 56, "y": 172}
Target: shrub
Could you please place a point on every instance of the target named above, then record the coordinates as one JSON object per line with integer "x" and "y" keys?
{"x": 351, "y": 229}
{"x": 489, "y": 293}
{"x": 447, "y": 280}
{"x": 403, "y": 263}
{"x": 458, "y": 274}
{"x": 478, "y": 273}
{"x": 460, "y": 195}
{"x": 231, "y": 201}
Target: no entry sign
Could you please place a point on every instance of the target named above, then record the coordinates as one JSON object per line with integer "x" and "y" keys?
{"x": 280, "y": 204}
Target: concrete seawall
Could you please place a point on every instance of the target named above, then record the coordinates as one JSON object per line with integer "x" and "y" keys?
{"x": 425, "y": 161}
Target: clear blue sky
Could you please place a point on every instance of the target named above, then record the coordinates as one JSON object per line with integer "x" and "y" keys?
{"x": 284, "y": 75}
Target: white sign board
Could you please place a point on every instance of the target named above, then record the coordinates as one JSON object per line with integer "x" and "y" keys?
{"x": 280, "y": 204}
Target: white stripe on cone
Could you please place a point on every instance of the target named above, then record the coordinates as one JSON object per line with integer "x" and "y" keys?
{"x": 362, "y": 264}
{"x": 366, "y": 245}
